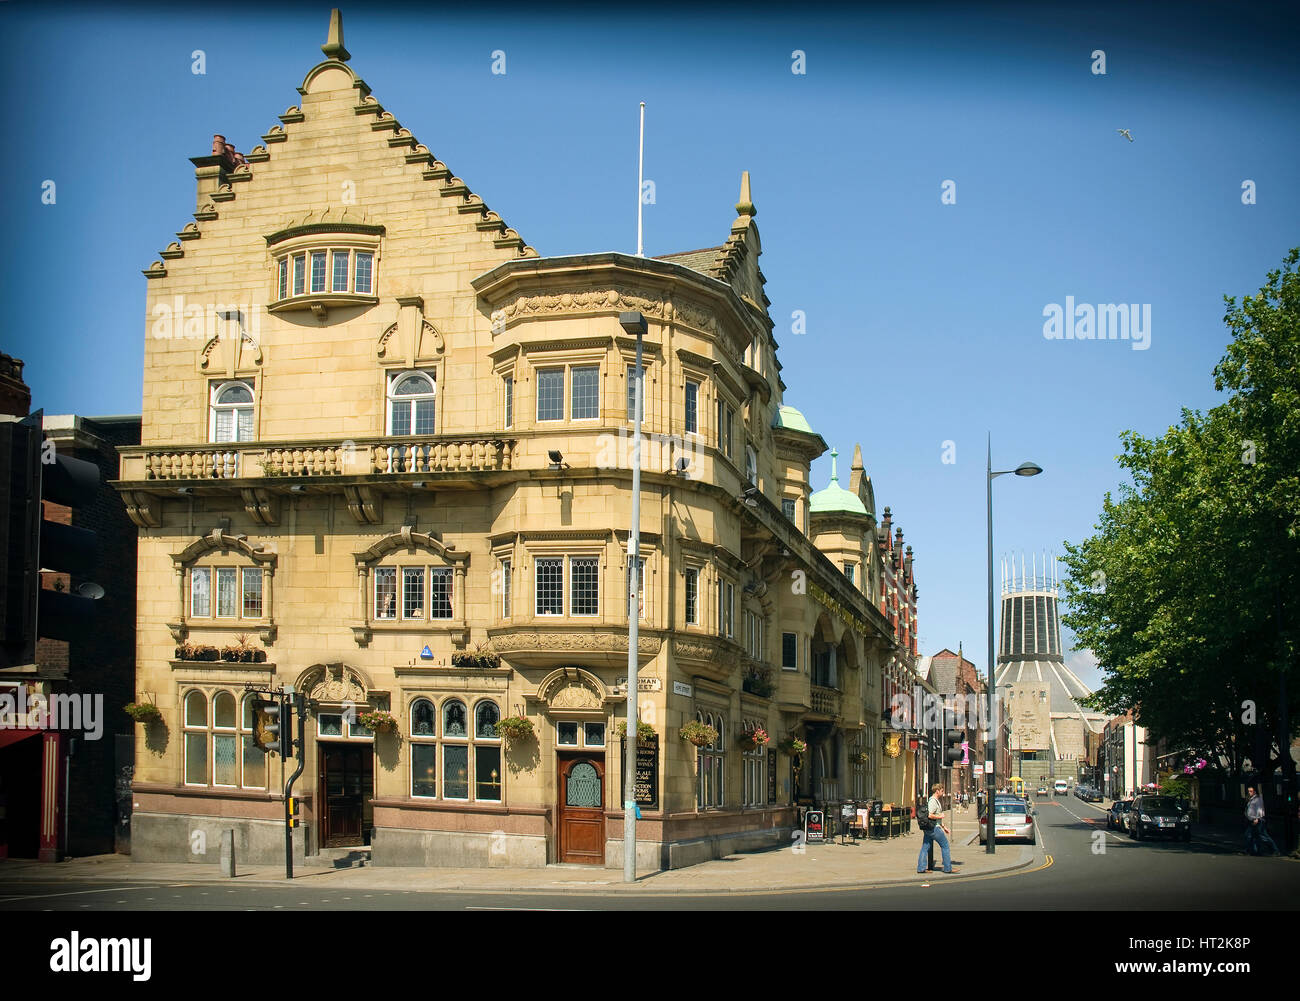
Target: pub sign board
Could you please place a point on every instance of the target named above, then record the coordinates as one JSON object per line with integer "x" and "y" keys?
{"x": 647, "y": 773}
{"x": 814, "y": 827}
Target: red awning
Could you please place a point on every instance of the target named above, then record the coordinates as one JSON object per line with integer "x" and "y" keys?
{"x": 8, "y": 736}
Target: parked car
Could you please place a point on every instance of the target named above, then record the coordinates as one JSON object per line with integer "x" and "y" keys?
{"x": 1060, "y": 787}
{"x": 1117, "y": 815}
{"x": 1042, "y": 790}
{"x": 1088, "y": 794}
{"x": 1011, "y": 821}
{"x": 1158, "y": 816}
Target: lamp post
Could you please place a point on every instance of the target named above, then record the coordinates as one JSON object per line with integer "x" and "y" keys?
{"x": 633, "y": 323}
{"x": 1024, "y": 469}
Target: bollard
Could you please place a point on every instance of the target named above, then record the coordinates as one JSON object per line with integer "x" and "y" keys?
{"x": 228, "y": 853}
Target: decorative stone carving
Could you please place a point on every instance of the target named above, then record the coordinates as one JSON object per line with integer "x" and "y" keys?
{"x": 572, "y": 688}
{"x": 587, "y": 300}
{"x": 333, "y": 683}
{"x": 592, "y": 640}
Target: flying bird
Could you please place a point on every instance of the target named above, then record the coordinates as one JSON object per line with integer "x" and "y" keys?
{"x": 1125, "y": 134}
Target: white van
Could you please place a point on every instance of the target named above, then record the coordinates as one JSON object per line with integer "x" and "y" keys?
{"x": 1061, "y": 787}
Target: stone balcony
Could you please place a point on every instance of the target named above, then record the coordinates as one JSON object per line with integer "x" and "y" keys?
{"x": 261, "y": 473}
{"x": 826, "y": 702}
{"x": 353, "y": 457}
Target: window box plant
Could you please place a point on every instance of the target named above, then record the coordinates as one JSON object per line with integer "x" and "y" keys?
{"x": 143, "y": 712}
{"x": 644, "y": 731}
{"x": 514, "y": 727}
{"x": 378, "y": 721}
{"x": 480, "y": 656}
{"x": 699, "y": 734}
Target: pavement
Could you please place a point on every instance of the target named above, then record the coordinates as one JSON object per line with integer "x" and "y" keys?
{"x": 819, "y": 866}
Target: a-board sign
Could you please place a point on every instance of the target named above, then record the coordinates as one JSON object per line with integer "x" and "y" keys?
{"x": 814, "y": 827}
{"x": 647, "y": 773}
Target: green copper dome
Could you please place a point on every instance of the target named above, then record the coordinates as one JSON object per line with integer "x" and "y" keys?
{"x": 835, "y": 499}
{"x": 789, "y": 417}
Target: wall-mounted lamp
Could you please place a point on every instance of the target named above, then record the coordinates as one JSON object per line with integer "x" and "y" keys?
{"x": 557, "y": 459}
{"x": 418, "y": 484}
{"x": 747, "y": 498}
{"x": 185, "y": 491}
{"x": 298, "y": 488}
{"x": 680, "y": 467}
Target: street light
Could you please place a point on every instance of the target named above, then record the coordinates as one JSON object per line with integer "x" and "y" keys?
{"x": 1024, "y": 469}
{"x": 633, "y": 323}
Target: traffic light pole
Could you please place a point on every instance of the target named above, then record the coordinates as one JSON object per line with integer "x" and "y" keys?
{"x": 298, "y": 706}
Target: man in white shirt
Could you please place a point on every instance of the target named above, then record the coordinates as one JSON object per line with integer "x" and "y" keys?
{"x": 938, "y": 832}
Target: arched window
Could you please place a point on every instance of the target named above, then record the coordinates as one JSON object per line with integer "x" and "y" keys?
{"x": 712, "y": 764}
{"x": 455, "y": 750}
{"x": 196, "y": 739}
{"x": 232, "y": 411}
{"x": 411, "y": 403}
{"x": 424, "y": 749}
{"x": 225, "y": 742}
{"x": 487, "y": 753}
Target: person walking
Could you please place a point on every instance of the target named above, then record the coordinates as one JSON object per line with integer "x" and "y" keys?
{"x": 1256, "y": 825}
{"x": 937, "y": 832}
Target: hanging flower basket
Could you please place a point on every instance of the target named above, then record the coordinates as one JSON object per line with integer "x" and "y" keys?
{"x": 378, "y": 721}
{"x": 143, "y": 712}
{"x": 751, "y": 740}
{"x": 644, "y": 731}
{"x": 793, "y": 746}
{"x": 699, "y": 734}
{"x": 514, "y": 728}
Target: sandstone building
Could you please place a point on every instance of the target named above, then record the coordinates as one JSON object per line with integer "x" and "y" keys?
{"x": 387, "y": 445}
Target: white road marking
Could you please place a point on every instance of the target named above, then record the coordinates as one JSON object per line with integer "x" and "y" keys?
{"x": 76, "y": 893}
{"x": 1077, "y": 817}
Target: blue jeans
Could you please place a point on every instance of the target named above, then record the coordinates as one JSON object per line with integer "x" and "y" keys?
{"x": 923, "y": 860}
{"x": 1255, "y": 833}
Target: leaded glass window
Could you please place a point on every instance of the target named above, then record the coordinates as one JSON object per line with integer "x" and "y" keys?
{"x": 227, "y": 596}
{"x": 252, "y": 591}
{"x": 550, "y": 586}
{"x": 487, "y": 773}
{"x": 486, "y": 717}
{"x": 365, "y": 272}
{"x": 455, "y": 771}
{"x": 423, "y": 719}
{"x": 586, "y": 392}
{"x": 412, "y": 592}
{"x": 453, "y": 719}
{"x": 584, "y": 584}
{"x": 200, "y": 592}
{"x": 411, "y": 404}
{"x": 440, "y": 582}
{"x": 385, "y": 592}
{"x": 692, "y": 407}
{"x": 424, "y": 769}
{"x": 582, "y": 787}
{"x": 340, "y": 261}
{"x": 550, "y": 394}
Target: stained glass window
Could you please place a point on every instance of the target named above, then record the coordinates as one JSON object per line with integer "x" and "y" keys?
{"x": 453, "y": 719}
{"x": 486, "y": 717}
{"x": 423, "y": 719}
{"x": 424, "y": 769}
{"x": 487, "y": 773}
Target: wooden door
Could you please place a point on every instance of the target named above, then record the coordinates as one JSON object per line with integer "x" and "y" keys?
{"x": 346, "y": 784}
{"x": 582, "y": 809}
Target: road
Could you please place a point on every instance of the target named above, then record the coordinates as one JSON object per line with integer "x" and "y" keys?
{"x": 1081, "y": 866}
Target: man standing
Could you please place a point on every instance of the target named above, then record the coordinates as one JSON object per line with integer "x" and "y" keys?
{"x": 1256, "y": 826}
{"x": 937, "y": 832}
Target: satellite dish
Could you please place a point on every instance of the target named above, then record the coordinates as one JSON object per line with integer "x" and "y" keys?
{"x": 90, "y": 590}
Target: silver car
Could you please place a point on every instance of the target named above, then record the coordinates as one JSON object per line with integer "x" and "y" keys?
{"x": 1011, "y": 821}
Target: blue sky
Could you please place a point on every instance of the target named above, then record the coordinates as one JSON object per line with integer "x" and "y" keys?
{"x": 924, "y": 320}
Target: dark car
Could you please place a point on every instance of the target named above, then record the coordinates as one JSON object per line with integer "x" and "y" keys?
{"x": 1090, "y": 795}
{"x": 1117, "y": 815}
{"x": 1158, "y": 816}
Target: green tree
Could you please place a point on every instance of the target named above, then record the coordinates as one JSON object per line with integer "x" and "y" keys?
{"x": 1187, "y": 591}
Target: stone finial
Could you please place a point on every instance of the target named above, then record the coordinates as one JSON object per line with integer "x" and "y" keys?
{"x": 835, "y": 476}
{"x": 745, "y": 206}
{"x": 333, "y": 47}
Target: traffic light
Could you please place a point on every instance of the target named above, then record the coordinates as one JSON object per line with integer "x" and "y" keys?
{"x": 952, "y": 749}
{"x": 266, "y": 725}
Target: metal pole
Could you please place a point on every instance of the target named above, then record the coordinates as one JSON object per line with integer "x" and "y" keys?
{"x": 640, "y": 180}
{"x": 633, "y": 633}
{"x": 994, "y": 734}
{"x": 292, "y": 702}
